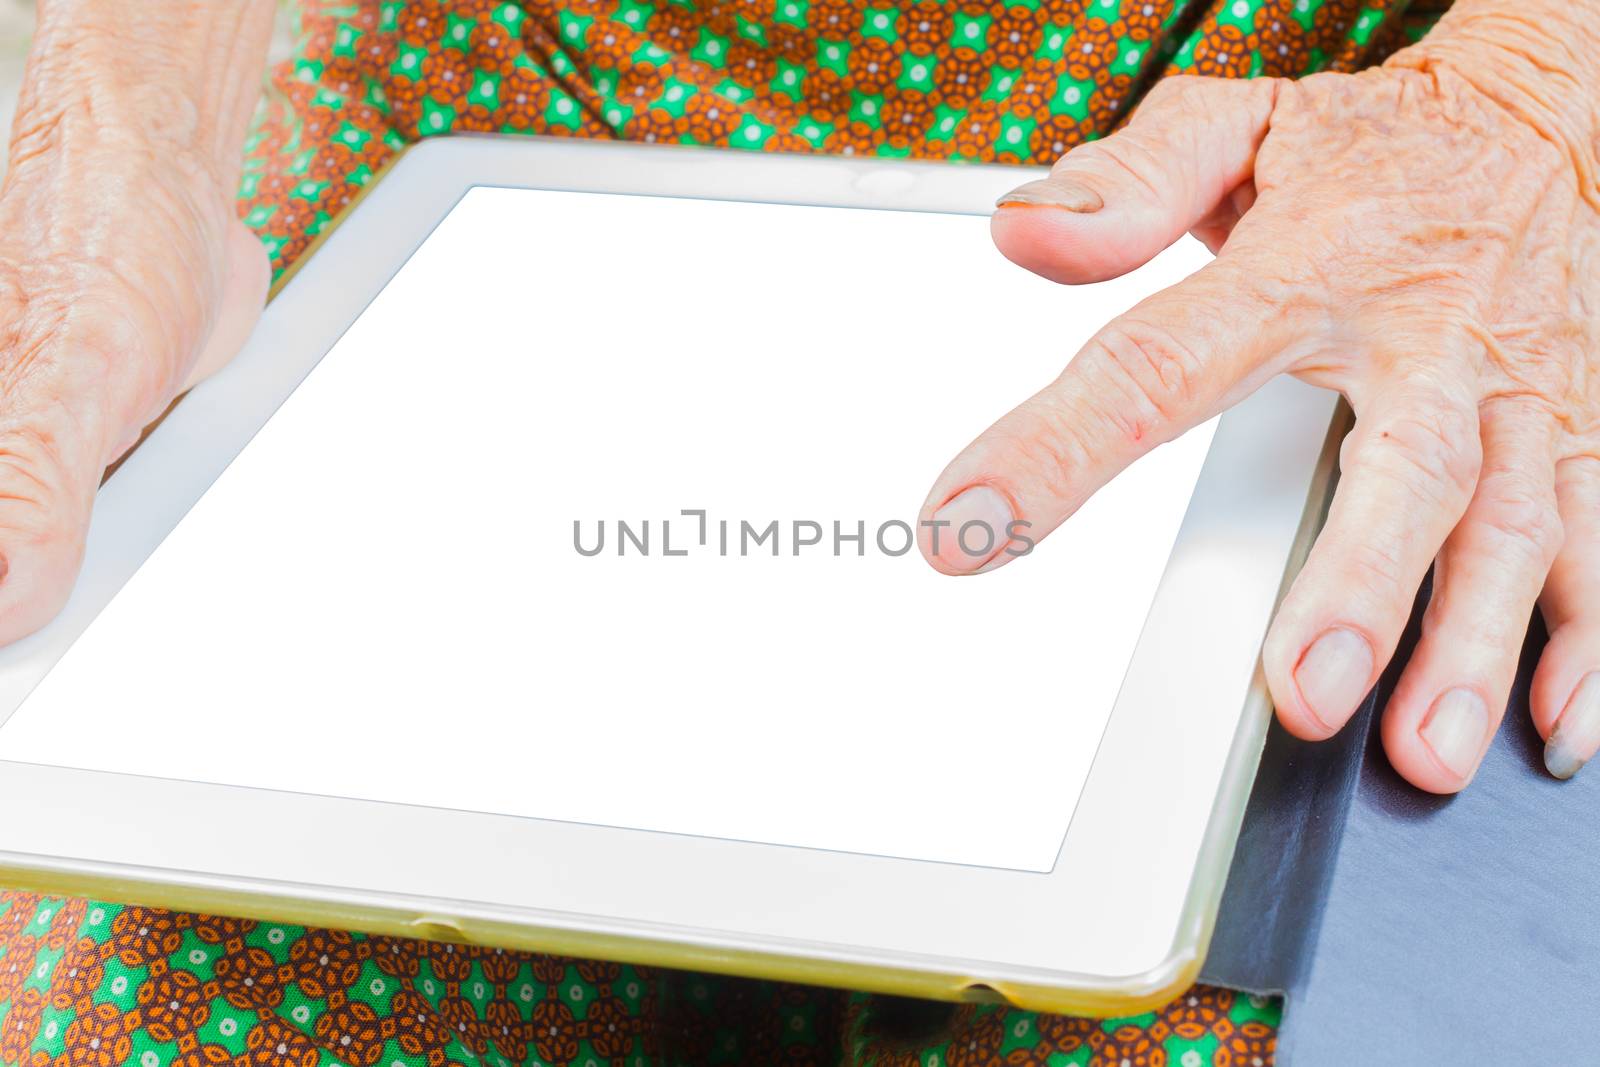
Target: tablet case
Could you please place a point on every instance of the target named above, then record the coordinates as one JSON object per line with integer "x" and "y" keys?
{"x": 1404, "y": 928}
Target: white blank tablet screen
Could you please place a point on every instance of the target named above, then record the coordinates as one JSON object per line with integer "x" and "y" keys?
{"x": 381, "y": 597}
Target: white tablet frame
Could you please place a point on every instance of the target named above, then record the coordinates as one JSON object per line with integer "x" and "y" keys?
{"x": 1114, "y": 927}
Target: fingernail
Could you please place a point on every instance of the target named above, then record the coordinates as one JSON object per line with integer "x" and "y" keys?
{"x": 977, "y": 521}
{"x": 1576, "y": 737}
{"x": 1054, "y": 192}
{"x": 1454, "y": 730}
{"x": 1334, "y": 675}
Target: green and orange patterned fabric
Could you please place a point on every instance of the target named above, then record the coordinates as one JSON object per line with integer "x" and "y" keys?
{"x": 94, "y": 984}
{"x": 86, "y": 984}
{"x": 1007, "y": 81}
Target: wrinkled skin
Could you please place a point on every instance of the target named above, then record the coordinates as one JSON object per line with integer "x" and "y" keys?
{"x": 1420, "y": 237}
{"x": 1423, "y": 239}
{"x": 125, "y": 275}
{"x": 100, "y": 334}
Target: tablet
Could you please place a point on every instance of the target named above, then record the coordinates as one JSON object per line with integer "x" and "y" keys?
{"x": 541, "y": 575}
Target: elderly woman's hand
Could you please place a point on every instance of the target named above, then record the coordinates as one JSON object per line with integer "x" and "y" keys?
{"x": 124, "y": 272}
{"x": 1425, "y": 239}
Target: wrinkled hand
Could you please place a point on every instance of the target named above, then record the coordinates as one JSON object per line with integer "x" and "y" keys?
{"x": 125, "y": 274}
{"x": 1424, "y": 238}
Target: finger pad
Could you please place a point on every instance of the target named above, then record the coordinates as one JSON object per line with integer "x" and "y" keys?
{"x": 1059, "y": 245}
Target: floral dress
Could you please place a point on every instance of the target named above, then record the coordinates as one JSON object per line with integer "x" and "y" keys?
{"x": 94, "y": 984}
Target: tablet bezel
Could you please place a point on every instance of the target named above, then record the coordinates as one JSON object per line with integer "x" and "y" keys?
{"x": 1057, "y": 941}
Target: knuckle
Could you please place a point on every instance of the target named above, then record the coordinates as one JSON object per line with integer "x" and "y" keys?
{"x": 1378, "y": 566}
{"x": 1124, "y": 158}
{"x": 1050, "y": 445}
{"x": 36, "y": 134}
{"x": 107, "y": 359}
{"x": 1181, "y": 92}
{"x": 1432, "y": 449}
{"x": 1525, "y": 523}
{"x": 1152, "y": 379}
{"x": 34, "y": 490}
